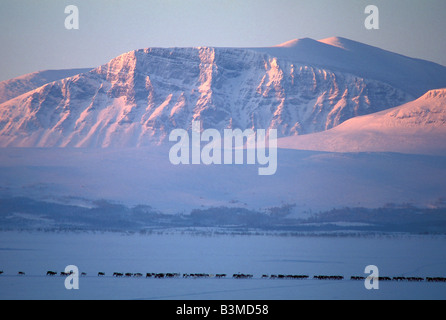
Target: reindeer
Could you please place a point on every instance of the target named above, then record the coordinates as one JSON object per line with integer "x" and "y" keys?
{"x": 436, "y": 279}
{"x": 384, "y": 279}
{"x": 399, "y": 278}
{"x": 322, "y": 277}
{"x": 242, "y": 276}
{"x": 416, "y": 279}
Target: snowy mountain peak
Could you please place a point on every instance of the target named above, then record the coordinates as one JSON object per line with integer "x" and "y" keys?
{"x": 297, "y": 42}
{"x": 335, "y": 42}
{"x": 137, "y": 98}
{"x": 411, "y": 75}
{"x": 342, "y": 43}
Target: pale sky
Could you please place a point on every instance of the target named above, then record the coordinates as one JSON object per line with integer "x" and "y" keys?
{"x": 33, "y": 35}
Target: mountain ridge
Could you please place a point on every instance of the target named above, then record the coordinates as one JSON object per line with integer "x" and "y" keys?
{"x": 12, "y": 88}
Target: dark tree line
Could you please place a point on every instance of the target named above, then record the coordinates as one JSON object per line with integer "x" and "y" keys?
{"x": 28, "y": 214}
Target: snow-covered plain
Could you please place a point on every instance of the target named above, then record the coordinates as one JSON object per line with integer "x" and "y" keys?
{"x": 36, "y": 253}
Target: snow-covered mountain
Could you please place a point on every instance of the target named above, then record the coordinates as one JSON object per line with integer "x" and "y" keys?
{"x": 300, "y": 87}
{"x": 9, "y": 89}
{"x": 416, "y": 127}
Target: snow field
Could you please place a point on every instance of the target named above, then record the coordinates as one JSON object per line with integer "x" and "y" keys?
{"x": 36, "y": 253}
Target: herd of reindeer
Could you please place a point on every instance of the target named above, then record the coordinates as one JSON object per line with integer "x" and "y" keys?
{"x": 243, "y": 276}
